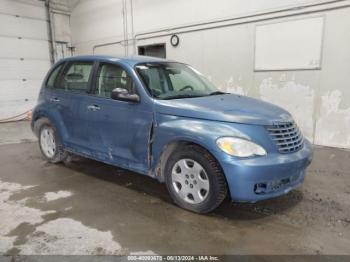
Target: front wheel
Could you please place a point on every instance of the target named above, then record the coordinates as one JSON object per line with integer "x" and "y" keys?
{"x": 50, "y": 145}
{"x": 195, "y": 180}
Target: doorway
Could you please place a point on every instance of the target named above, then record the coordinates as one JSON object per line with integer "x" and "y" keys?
{"x": 156, "y": 50}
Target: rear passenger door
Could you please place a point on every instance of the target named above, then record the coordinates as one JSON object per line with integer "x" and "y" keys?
{"x": 71, "y": 89}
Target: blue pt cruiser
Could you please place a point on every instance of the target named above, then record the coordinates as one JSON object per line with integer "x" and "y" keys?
{"x": 164, "y": 119}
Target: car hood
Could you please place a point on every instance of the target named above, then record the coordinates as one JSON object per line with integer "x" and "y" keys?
{"x": 227, "y": 108}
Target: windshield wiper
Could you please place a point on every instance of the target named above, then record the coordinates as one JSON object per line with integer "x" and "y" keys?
{"x": 192, "y": 96}
{"x": 180, "y": 96}
{"x": 218, "y": 93}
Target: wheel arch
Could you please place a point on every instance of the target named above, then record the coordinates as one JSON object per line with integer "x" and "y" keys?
{"x": 52, "y": 116}
{"x": 41, "y": 119}
{"x": 171, "y": 147}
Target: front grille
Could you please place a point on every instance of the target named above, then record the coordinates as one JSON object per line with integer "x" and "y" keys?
{"x": 287, "y": 137}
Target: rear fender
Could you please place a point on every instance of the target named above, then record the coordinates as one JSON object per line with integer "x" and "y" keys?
{"x": 46, "y": 111}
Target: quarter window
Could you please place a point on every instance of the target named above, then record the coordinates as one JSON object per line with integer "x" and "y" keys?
{"x": 76, "y": 77}
{"x": 52, "y": 78}
{"x": 110, "y": 77}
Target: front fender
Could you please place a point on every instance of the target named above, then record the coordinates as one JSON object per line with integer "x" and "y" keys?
{"x": 170, "y": 129}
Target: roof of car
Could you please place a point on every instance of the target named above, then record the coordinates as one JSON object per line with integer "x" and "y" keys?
{"x": 131, "y": 60}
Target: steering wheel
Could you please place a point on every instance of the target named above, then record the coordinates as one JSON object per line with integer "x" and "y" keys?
{"x": 187, "y": 87}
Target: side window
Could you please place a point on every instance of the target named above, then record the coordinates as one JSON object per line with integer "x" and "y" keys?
{"x": 52, "y": 78}
{"x": 110, "y": 77}
{"x": 76, "y": 77}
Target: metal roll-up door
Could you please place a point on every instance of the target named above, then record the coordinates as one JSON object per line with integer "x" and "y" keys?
{"x": 24, "y": 54}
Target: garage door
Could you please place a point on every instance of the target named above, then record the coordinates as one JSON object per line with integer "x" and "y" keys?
{"x": 24, "y": 54}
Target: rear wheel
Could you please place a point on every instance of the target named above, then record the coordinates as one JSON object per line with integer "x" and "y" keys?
{"x": 195, "y": 180}
{"x": 50, "y": 145}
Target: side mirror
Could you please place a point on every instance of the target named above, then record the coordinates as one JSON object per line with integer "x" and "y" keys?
{"x": 124, "y": 95}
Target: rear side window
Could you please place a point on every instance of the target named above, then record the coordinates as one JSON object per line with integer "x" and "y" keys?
{"x": 52, "y": 78}
{"x": 76, "y": 77}
{"x": 110, "y": 77}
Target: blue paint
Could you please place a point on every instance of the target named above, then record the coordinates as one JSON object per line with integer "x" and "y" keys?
{"x": 119, "y": 133}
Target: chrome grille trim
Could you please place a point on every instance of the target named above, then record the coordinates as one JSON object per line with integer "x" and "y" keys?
{"x": 286, "y": 136}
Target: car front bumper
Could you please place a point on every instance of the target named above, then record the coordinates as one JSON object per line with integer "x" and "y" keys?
{"x": 259, "y": 178}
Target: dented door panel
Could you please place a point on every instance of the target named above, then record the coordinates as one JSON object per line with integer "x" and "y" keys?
{"x": 118, "y": 132}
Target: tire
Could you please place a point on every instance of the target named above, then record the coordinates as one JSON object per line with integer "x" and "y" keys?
{"x": 194, "y": 179}
{"x": 50, "y": 144}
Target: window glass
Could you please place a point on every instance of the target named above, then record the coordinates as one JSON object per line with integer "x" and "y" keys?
{"x": 175, "y": 80}
{"x": 52, "y": 78}
{"x": 183, "y": 79}
{"x": 110, "y": 77}
{"x": 76, "y": 77}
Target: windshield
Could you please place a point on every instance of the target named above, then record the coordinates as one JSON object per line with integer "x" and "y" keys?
{"x": 175, "y": 80}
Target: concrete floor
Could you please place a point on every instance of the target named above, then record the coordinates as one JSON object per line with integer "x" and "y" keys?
{"x": 85, "y": 207}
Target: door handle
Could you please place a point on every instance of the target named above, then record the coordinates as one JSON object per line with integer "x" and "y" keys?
{"x": 55, "y": 99}
{"x": 93, "y": 107}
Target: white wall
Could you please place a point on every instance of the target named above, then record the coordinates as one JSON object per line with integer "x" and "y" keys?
{"x": 94, "y": 22}
{"x": 318, "y": 98}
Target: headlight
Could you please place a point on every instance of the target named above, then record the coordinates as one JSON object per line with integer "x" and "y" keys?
{"x": 239, "y": 147}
